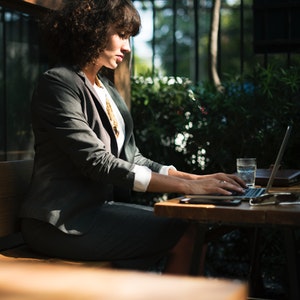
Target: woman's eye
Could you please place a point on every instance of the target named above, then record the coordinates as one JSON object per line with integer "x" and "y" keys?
{"x": 123, "y": 35}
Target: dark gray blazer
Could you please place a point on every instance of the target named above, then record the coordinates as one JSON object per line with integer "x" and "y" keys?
{"x": 76, "y": 167}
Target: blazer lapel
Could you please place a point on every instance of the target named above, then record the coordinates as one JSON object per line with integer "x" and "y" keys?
{"x": 102, "y": 112}
{"x": 121, "y": 106}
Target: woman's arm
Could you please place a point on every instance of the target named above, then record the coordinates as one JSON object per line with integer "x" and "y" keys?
{"x": 186, "y": 183}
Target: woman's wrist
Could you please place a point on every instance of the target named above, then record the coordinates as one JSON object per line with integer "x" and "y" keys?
{"x": 184, "y": 175}
{"x": 167, "y": 184}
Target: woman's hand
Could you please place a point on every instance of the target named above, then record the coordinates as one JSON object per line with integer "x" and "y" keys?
{"x": 229, "y": 178}
{"x": 186, "y": 183}
{"x": 217, "y": 183}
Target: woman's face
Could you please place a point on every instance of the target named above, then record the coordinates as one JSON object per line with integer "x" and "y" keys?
{"x": 117, "y": 45}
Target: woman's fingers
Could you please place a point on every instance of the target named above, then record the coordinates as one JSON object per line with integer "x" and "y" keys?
{"x": 228, "y": 187}
{"x": 230, "y": 178}
{"x": 214, "y": 186}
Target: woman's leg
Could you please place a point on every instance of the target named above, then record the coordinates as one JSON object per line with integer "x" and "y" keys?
{"x": 180, "y": 256}
{"x": 129, "y": 235}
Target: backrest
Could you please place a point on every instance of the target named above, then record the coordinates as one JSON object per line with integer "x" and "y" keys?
{"x": 14, "y": 182}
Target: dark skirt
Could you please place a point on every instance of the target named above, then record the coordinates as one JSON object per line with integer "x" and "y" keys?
{"x": 128, "y": 235}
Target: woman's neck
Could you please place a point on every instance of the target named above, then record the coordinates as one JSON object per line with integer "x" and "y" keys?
{"x": 91, "y": 72}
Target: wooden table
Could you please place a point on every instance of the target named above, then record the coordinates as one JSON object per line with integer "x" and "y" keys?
{"x": 243, "y": 214}
{"x": 287, "y": 217}
{"x": 37, "y": 281}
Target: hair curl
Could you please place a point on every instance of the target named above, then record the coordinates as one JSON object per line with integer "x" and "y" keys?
{"x": 77, "y": 33}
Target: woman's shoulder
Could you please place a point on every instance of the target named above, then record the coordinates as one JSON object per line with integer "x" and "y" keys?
{"x": 61, "y": 72}
{"x": 65, "y": 74}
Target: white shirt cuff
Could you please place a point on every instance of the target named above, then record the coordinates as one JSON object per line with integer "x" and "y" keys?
{"x": 165, "y": 170}
{"x": 142, "y": 178}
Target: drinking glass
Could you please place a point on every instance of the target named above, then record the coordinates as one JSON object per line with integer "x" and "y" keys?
{"x": 246, "y": 169}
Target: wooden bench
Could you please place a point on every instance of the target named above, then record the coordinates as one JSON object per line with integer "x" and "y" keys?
{"x": 14, "y": 181}
{"x": 21, "y": 281}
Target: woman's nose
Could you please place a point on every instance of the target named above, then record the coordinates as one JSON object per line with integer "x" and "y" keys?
{"x": 126, "y": 45}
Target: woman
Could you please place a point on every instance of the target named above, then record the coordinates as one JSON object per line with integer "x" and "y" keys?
{"x": 86, "y": 161}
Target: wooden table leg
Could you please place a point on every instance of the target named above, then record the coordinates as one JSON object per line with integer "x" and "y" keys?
{"x": 256, "y": 287}
{"x": 205, "y": 234}
{"x": 199, "y": 250}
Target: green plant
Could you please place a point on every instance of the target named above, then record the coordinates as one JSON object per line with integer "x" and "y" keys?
{"x": 158, "y": 108}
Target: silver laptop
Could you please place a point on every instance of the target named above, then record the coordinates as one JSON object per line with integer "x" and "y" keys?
{"x": 252, "y": 193}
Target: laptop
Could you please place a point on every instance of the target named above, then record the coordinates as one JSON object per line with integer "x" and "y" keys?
{"x": 284, "y": 177}
{"x": 250, "y": 193}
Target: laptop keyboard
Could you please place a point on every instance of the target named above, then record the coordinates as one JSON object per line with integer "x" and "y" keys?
{"x": 251, "y": 193}
{"x": 254, "y": 192}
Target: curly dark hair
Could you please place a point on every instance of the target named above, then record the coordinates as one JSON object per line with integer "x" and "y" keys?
{"x": 77, "y": 33}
